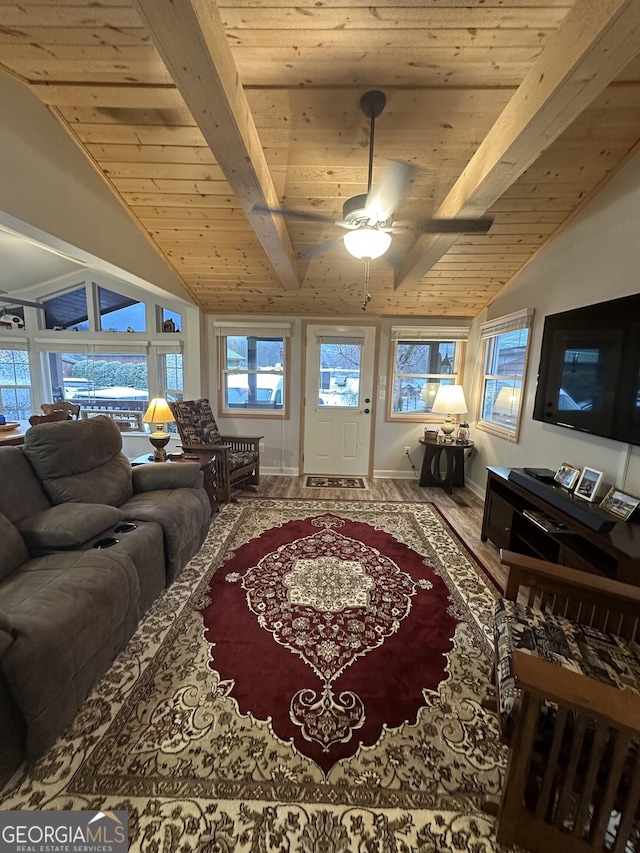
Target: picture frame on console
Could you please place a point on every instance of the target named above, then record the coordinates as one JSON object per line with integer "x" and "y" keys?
{"x": 588, "y": 484}
{"x": 619, "y": 503}
{"x": 567, "y": 476}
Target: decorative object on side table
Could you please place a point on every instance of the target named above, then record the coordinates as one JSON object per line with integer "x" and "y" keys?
{"x": 159, "y": 413}
{"x": 449, "y": 401}
{"x": 463, "y": 433}
{"x": 567, "y": 476}
{"x": 588, "y": 484}
{"x": 620, "y": 504}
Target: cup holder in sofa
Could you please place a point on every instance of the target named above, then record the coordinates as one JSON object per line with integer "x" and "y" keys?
{"x": 105, "y": 543}
{"x": 125, "y": 527}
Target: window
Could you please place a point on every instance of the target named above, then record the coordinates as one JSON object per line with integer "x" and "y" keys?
{"x": 171, "y": 320}
{"x": 340, "y": 360}
{"x": 15, "y": 384}
{"x": 67, "y": 311}
{"x": 252, "y": 368}
{"x": 504, "y": 359}
{"x": 119, "y": 313}
{"x": 421, "y": 359}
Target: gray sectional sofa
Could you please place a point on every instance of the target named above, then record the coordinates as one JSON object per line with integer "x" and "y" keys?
{"x": 71, "y": 598}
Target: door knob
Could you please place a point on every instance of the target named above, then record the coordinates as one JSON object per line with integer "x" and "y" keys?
{"x": 366, "y": 411}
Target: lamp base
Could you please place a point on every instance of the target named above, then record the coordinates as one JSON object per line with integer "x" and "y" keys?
{"x": 448, "y": 428}
{"x": 159, "y": 441}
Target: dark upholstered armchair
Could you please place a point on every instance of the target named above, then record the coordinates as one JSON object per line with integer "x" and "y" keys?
{"x": 237, "y": 457}
{"x": 568, "y": 697}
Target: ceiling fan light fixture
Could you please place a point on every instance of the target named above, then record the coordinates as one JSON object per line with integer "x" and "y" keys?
{"x": 367, "y": 242}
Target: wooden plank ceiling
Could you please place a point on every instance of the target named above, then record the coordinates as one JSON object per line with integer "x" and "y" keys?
{"x": 193, "y": 112}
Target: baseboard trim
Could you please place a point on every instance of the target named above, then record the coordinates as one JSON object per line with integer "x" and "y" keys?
{"x": 280, "y": 472}
{"x": 395, "y": 475}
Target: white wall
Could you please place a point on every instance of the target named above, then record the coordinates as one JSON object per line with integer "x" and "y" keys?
{"x": 594, "y": 259}
{"x": 47, "y": 183}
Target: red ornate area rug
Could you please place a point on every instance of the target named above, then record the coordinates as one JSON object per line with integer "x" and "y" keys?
{"x": 332, "y": 629}
{"x": 311, "y": 681}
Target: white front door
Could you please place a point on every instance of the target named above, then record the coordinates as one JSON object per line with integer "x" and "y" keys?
{"x": 339, "y": 404}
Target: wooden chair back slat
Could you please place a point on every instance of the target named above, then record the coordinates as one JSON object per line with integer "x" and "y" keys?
{"x": 34, "y": 420}
{"x": 72, "y": 409}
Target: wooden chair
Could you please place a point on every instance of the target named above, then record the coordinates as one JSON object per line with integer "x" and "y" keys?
{"x": 72, "y": 409}
{"x": 573, "y": 773}
{"x": 237, "y": 457}
{"x": 60, "y": 415}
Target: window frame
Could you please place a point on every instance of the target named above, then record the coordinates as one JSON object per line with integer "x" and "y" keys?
{"x": 452, "y": 336}
{"x": 490, "y": 333}
{"x": 280, "y": 333}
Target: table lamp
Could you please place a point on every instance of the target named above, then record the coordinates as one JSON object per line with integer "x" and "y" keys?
{"x": 450, "y": 401}
{"x": 159, "y": 413}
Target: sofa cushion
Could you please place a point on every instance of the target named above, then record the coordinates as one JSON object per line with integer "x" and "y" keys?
{"x": 71, "y": 615}
{"x": 14, "y": 549}
{"x": 67, "y": 525}
{"x": 26, "y": 496}
{"x": 605, "y": 657}
{"x": 80, "y": 461}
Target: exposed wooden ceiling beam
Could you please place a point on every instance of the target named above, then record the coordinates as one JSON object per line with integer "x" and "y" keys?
{"x": 190, "y": 37}
{"x": 594, "y": 43}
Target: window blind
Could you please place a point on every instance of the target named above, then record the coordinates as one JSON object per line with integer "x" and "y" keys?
{"x": 429, "y": 333}
{"x": 258, "y": 330}
{"x": 355, "y": 340}
{"x": 508, "y": 323}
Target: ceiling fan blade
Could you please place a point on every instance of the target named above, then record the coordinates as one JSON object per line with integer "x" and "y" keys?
{"x": 306, "y": 215}
{"x": 385, "y": 197}
{"x": 455, "y": 226}
{"x": 320, "y": 249}
{"x": 15, "y": 300}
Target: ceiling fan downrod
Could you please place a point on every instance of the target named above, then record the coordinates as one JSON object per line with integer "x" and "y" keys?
{"x": 372, "y": 104}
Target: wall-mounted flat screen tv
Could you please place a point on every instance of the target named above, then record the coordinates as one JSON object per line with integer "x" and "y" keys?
{"x": 589, "y": 375}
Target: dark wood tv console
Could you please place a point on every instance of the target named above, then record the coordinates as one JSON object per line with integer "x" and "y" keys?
{"x": 512, "y": 521}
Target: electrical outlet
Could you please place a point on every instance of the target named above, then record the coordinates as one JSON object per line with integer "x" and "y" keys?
{"x": 407, "y": 450}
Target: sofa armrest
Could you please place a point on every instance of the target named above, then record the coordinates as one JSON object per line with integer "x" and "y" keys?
{"x": 67, "y": 526}
{"x": 166, "y": 475}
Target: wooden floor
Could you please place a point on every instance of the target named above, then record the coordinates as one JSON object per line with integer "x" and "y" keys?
{"x": 462, "y": 509}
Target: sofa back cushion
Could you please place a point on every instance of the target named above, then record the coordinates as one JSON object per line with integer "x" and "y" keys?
{"x": 80, "y": 461}
{"x": 22, "y": 494}
{"x": 14, "y": 550}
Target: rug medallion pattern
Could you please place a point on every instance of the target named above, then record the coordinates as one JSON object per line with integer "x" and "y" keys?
{"x": 164, "y": 737}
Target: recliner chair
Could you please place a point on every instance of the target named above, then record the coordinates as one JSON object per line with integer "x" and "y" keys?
{"x": 237, "y": 457}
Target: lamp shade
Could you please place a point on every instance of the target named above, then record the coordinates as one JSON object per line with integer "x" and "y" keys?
{"x": 367, "y": 242}
{"x": 158, "y": 412}
{"x": 450, "y": 400}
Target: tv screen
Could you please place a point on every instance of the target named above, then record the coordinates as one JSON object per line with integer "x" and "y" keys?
{"x": 589, "y": 374}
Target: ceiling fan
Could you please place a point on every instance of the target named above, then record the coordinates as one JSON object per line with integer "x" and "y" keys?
{"x": 368, "y": 218}
{"x": 17, "y": 300}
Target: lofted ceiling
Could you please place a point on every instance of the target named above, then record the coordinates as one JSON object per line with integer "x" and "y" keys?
{"x": 194, "y": 112}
